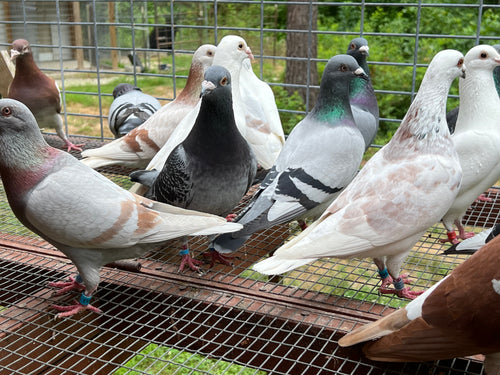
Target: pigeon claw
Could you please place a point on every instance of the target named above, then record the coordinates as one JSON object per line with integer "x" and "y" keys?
{"x": 74, "y": 309}
{"x": 230, "y": 217}
{"x": 452, "y": 238}
{"x": 483, "y": 198}
{"x": 216, "y": 257}
{"x": 402, "y": 293}
{"x": 71, "y": 146}
{"x": 67, "y": 286}
{"x": 190, "y": 262}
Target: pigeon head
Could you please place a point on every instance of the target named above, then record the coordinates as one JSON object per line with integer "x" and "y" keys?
{"x": 235, "y": 48}
{"x": 482, "y": 57}
{"x": 123, "y": 88}
{"x": 16, "y": 118}
{"x": 204, "y": 55}
{"x": 215, "y": 77}
{"x": 19, "y": 47}
{"x": 342, "y": 67}
{"x": 358, "y": 46}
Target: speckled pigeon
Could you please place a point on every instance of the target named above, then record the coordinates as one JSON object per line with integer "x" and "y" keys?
{"x": 457, "y": 317}
{"x": 362, "y": 96}
{"x": 476, "y": 136}
{"x": 138, "y": 147}
{"x": 82, "y": 213}
{"x": 401, "y": 191}
{"x": 130, "y": 108}
{"x": 213, "y": 168}
{"x": 321, "y": 156}
{"x": 37, "y": 91}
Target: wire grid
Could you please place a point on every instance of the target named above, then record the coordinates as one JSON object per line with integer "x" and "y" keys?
{"x": 229, "y": 316}
{"x": 226, "y": 320}
{"x": 83, "y": 51}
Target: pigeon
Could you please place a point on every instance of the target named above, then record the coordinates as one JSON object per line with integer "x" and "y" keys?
{"x": 477, "y": 135}
{"x": 213, "y": 168}
{"x": 261, "y": 115}
{"x": 231, "y": 51}
{"x": 400, "y": 192}
{"x": 321, "y": 156}
{"x": 362, "y": 96}
{"x": 130, "y": 108}
{"x": 451, "y": 116}
{"x": 458, "y": 316}
{"x": 139, "y": 146}
{"x": 86, "y": 216}
{"x": 472, "y": 244}
{"x": 37, "y": 91}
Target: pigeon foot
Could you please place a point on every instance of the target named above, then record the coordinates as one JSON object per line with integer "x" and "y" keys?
{"x": 66, "y": 286}
{"x": 190, "y": 262}
{"x": 82, "y": 304}
{"x": 402, "y": 293}
{"x": 216, "y": 257}
{"x": 231, "y": 217}
{"x": 483, "y": 198}
{"x": 74, "y": 309}
{"x": 71, "y": 146}
{"x": 452, "y": 238}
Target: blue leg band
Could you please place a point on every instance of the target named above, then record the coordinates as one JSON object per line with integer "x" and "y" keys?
{"x": 184, "y": 252}
{"x": 84, "y": 300}
{"x": 383, "y": 274}
{"x": 399, "y": 284}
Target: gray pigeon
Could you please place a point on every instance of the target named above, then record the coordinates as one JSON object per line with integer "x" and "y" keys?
{"x": 86, "y": 216}
{"x": 451, "y": 117}
{"x": 320, "y": 157}
{"x": 213, "y": 168}
{"x": 130, "y": 108}
{"x": 362, "y": 96}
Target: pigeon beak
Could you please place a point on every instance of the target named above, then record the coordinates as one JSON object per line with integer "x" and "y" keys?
{"x": 13, "y": 54}
{"x": 250, "y": 55}
{"x": 206, "y": 87}
{"x": 463, "y": 73}
{"x": 360, "y": 73}
{"x": 364, "y": 49}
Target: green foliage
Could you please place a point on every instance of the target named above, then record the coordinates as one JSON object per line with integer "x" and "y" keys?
{"x": 158, "y": 360}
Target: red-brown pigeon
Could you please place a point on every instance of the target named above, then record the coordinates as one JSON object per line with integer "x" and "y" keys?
{"x": 37, "y": 91}
{"x": 457, "y": 317}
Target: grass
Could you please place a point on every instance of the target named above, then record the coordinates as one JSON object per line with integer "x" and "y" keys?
{"x": 158, "y": 360}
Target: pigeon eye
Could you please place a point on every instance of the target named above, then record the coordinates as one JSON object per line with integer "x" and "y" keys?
{"x": 353, "y": 46}
{"x": 209, "y": 53}
{"x": 223, "y": 81}
{"x": 484, "y": 55}
{"x": 240, "y": 46}
{"x": 6, "y": 111}
{"x": 460, "y": 63}
{"x": 343, "y": 68}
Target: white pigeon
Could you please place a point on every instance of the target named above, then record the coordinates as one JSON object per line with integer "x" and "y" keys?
{"x": 139, "y": 146}
{"x": 401, "y": 191}
{"x": 86, "y": 216}
{"x": 476, "y": 136}
{"x": 264, "y": 129}
{"x": 231, "y": 51}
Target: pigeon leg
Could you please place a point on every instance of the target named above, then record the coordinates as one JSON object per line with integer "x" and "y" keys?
{"x": 302, "y": 224}
{"x": 82, "y": 304}
{"x": 188, "y": 260}
{"x": 400, "y": 290}
{"x": 452, "y": 238}
{"x": 231, "y": 217}
{"x": 215, "y": 257}
{"x": 71, "y": 146}
{"x": 461, "y": 231}
{"x": 74, "y": 283}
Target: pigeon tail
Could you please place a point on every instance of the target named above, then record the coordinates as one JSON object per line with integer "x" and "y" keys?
{"x": 226, "y": 243}
{"x": 224, "y": 228}
{"x": 377, "y": 329}
{"x": 276, "y": 266}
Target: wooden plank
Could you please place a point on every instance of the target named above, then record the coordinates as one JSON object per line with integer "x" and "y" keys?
{"x": 7, "y": 71}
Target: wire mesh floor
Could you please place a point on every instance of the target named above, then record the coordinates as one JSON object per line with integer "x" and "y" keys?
{"x": 228, "y": 320}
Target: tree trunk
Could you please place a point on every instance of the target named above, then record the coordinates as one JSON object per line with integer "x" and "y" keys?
{"x": 302, "y": 45}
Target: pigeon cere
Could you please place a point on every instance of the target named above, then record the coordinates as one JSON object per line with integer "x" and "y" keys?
{"x": 246, "y": 195}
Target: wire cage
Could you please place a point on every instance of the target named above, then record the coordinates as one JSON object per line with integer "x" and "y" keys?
{"x": 228, "y": 320}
